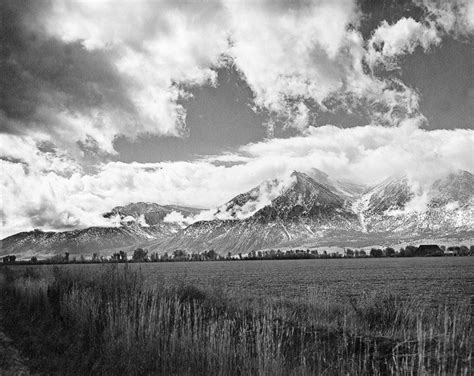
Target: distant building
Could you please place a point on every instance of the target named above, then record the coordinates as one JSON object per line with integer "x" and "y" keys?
{"x": 429, "y": 250}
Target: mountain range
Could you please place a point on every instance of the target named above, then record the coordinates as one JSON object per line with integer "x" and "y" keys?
{"x": 304, "y": 210}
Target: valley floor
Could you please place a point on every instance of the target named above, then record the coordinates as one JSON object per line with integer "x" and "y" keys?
{"x": 110, "y": 323}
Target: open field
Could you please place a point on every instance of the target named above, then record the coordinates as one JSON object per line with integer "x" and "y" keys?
{"x": 119, "y": 319}
{"x": 435, "y": 279}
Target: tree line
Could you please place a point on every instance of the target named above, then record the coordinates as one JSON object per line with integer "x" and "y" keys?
{"x": 143, "y": 255}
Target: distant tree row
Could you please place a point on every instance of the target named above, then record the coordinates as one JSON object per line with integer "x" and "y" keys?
{"x": 142, "y": 255}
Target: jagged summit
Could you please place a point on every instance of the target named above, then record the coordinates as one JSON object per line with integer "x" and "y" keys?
{"x": 300, "y": 193}
{"x": 304, "y": 197}
{"x": 308, "y": 192}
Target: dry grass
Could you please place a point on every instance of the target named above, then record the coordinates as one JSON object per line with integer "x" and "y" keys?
{"x": 109, "y": 324}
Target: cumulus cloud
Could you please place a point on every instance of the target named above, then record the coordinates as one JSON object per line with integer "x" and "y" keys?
{"x": 179, "y": 218}
{"x": 391, "y": 41}
{"x": 312, "y": 54}
{"x": 93, "y": 70}
{"x": 87, "y": 71}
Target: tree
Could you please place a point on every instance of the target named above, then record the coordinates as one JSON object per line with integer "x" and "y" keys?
{"x": 115, "y": 257}
{"x": 179, "y": 255}
{"x": 349, "y": 252}
{"x": 140, "y": 255}
{"x": 210, "y": 255}
{"x": 463, "y": 251}
{"x": 375, "y": 252}
{"x": 389, "y": 252}
{"x": 410, "y": 251}
{"x": 34, "y": 259}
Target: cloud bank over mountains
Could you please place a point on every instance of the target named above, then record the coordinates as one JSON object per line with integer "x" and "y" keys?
{"x": 76, "y": 75}
{"x": 53, "y": 192}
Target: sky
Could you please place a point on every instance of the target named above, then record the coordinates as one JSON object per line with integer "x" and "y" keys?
{"x": 103, "y": 103}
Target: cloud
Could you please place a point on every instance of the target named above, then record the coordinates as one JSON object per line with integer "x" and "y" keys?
{"x": 258, "y": 198}
{"x": 43, "y": 191}
{"x": 179, "y": 218}
{"x": 313, "y": 56}
{"x": 455, "y": 16}
{"x": 367, "y": 154}
{"x": 290, "y": 53}
{"x": 390, "y": 41}
{"x": 157, "y": 46}
{"x": 54, "y": 89}
{"x": 84, "y": 72}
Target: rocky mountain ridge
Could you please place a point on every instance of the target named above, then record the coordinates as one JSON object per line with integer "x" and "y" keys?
{"x": 303, "y": 209}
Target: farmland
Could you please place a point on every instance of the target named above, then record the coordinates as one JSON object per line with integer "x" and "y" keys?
{"x": 242, "y": 318}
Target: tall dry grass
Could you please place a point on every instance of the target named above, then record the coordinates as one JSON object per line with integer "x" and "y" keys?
{"x": 110, "y": 324}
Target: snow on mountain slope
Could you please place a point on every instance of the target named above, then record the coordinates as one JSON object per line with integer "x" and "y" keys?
{"x": 395, "y": 206}
{"x": 148, "y": 213}
{"x": 304, "y": 209}
{"x": 301, "y": 209}
{"x": 133, "y": 224}
{"x": 85, "y": 241}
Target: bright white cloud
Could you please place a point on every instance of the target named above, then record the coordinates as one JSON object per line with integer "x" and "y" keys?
{"x": 290, "y": 54}
{"x": 390, "y": 41}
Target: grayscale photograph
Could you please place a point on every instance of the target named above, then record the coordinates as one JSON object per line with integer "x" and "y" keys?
{"x": 237, "y": 187}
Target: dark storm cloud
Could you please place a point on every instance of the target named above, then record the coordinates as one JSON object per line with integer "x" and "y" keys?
{"x": 37, "y": 70}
